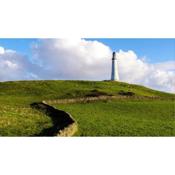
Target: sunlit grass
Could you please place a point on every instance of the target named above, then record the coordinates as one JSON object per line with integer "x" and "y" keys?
{"x": 124, "y": 118}
{"x": 111, "y": 118}
{"x": 20, "y": 121}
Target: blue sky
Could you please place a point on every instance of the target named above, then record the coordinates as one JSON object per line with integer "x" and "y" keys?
{"x": 21, "y": 45}
{"x": 155, "y": 50}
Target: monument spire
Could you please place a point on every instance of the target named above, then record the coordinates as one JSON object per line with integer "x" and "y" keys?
{"x": 114, "y": 73}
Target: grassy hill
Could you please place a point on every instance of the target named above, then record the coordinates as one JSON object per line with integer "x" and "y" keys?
{"x": 145, "y": 112}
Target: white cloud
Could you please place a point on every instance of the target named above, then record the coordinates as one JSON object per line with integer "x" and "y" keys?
{"x": 166, "y": 66}
{"x": 1, "y": 50}
{"x": 13, "y": 66}
{"x": 73, "y": 59}
{"x": 159, "y": 76}
{"x": 82, "y": 59}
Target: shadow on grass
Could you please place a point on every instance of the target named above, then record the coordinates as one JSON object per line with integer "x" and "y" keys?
{"x": 60, "y": 119}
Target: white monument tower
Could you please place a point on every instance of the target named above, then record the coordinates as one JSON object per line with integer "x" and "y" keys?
{"x": 114, "y": 74}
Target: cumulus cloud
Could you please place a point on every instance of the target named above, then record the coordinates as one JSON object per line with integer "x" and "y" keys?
{"x": 2, "y": 50}
{"x": 14, "y": 66}
{"x": 159, "y": 76}
{"x": 86, "y": 60}
{"x": 73, "y": 59}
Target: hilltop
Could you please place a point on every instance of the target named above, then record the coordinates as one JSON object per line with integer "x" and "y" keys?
{"x": 18, "y": 118}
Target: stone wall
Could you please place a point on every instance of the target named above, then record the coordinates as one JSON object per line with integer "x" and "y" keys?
{"x": 63, "y": 123}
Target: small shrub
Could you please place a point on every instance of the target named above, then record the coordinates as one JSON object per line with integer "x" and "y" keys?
{"x": 96, "y": 93}
{"x": 126, "y": 93}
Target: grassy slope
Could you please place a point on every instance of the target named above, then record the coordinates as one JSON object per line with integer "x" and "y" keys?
{"x": 17, "y": 118}
{"x": 124, "y": 118}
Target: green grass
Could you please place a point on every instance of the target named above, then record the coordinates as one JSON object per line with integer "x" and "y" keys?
{"x": 18, "y": 119}
{"x": 22, "y": 121}
{"x": 124, "y": 118}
